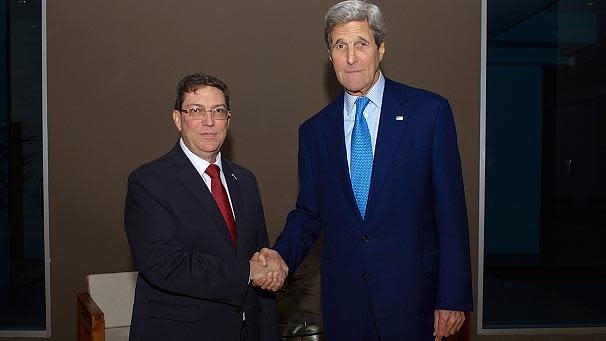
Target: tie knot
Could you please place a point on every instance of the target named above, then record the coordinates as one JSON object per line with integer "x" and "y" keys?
{"x": 213, "y": 171}
{"x": 361, "y": 104}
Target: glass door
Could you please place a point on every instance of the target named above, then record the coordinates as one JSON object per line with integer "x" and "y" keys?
{"x": 543, "y": 262}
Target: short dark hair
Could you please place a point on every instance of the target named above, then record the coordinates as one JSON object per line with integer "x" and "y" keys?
{"x": 193, "y": 82}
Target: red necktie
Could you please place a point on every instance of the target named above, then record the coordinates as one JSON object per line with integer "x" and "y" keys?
{"x": 220, "y": 195}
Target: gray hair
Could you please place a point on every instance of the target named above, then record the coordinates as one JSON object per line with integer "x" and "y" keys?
{"x": 355, "y": 10}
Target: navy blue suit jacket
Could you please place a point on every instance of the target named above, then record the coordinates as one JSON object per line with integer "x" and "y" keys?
{"x": 193, "y": 283}
{"x": 410, "y": 254}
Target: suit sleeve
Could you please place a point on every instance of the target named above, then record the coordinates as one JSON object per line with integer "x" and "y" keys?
{"x": 454, "y": 269}
{"x": 162, "y": 258}
{"x": 303, "y": 223}
{"x": 268, "y": 317}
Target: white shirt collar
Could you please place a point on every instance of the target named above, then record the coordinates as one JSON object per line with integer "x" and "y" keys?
{"x": 199, "y": 163}
{"x": 375, "y": 95}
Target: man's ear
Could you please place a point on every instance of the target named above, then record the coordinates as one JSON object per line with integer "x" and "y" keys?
{"x": 329, "y": 55}
{"x": 177, "y": 119}
{"x": 381, "y": 51}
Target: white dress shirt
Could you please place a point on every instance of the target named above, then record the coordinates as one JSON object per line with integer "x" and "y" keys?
{"x": 372, "y": 113}
{"x": 201, "y": 165}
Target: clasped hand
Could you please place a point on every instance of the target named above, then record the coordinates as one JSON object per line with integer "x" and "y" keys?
{"x": 268, "y": 270}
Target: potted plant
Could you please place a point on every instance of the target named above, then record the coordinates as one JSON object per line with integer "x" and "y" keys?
{"x": 296, "y": 324}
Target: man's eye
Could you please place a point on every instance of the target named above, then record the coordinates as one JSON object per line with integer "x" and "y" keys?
{"x": 362, "y": 44}
{"x": 340, "y": 46}
{"x": 220, "y": 110}
{"x": 194, "y": 110}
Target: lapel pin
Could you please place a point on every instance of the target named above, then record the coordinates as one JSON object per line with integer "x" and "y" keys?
{"x": 399, "y": 117}
{"x": 234, "y": 176}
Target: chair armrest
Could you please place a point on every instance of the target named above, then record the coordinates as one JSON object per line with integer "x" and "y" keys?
{"x": 90, "y": 321}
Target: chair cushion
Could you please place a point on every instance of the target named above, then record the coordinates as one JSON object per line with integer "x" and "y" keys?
{"x": 114, "y": 293}
{"x": 117, "y": 334}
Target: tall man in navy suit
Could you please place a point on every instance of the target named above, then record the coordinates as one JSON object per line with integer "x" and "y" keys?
{"x": 380, "y": 176}
{"x": 194, "y": 221}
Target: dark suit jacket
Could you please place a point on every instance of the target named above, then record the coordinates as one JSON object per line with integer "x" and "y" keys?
{"x": 410, "y": 255}
{"x": 193, "y": 283}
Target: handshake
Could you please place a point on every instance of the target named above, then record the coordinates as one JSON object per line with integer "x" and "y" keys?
{"x": 268, "y": 270}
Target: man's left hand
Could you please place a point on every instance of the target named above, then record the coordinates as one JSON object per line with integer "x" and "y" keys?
{"x": 446, "y": 323}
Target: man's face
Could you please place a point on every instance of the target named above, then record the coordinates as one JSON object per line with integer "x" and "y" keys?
{"x": 355, "y": 56}
{"x": 203, "y": 137}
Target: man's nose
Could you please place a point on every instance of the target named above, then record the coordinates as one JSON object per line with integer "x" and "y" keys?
{"x": 352, "y": 57}
{"x": 208, "y": 120}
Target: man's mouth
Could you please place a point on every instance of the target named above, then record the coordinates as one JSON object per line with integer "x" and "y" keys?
{"x": 207, "y": 135}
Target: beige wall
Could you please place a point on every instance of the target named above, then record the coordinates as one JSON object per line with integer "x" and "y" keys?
{"x": 112, "y": 70}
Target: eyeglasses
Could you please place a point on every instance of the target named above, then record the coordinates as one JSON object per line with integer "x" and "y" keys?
{"x": 199, "y": 113}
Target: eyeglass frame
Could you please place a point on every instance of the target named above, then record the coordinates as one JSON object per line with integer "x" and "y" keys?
{"x": 212, "y": 112}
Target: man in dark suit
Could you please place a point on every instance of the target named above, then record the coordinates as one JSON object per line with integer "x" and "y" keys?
{"x": 194, "y": 221}
{"x": 380, "y": 176}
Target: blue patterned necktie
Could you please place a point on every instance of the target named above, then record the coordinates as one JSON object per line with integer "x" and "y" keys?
{"x": 361, "y": 156}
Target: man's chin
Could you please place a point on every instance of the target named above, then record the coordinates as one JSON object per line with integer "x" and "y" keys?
{"x": 356, "y": 92}
{"x": 352, "y": 87}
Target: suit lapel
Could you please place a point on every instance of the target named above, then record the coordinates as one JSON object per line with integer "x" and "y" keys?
{"x": 392, "y": 124}
{"x": 192, "y": 181}
{"x": 237, "y": 199}
{"x": 335, "y": 135}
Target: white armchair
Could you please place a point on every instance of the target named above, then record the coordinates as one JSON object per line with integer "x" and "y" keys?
{"x": 104, "y": 313}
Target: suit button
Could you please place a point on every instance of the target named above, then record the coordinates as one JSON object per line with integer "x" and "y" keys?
{"x": 364, "y": 277}
{"x": 364, "y": 239}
